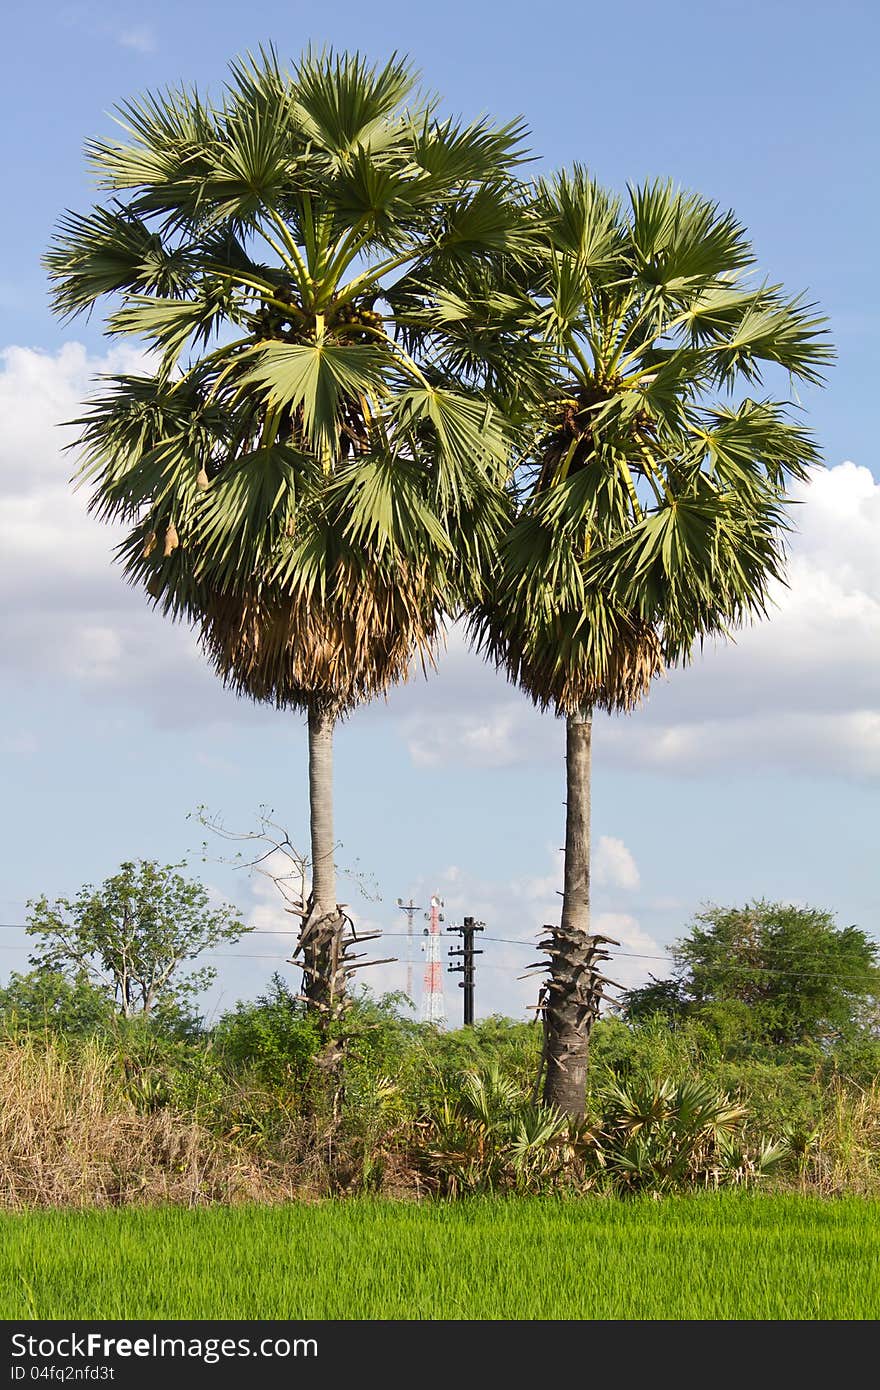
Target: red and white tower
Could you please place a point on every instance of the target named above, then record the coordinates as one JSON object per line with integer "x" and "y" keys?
{"x": 433, "y": 1003}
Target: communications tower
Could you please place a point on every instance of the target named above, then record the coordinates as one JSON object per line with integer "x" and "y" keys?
{"x": 410, "y": 909}
{"x": 433, "y": 1003}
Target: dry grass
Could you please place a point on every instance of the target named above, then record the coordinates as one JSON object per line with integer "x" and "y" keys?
{"x": 842, "y": 1155}
{"x": 70, "y": 1137}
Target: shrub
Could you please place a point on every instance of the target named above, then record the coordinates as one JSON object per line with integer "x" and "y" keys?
{"x": 271, "y": 1038}
{"x": 490, "y": 1138}
{"x": 659, "y": 1136}
{"x": 47, "y": 1001}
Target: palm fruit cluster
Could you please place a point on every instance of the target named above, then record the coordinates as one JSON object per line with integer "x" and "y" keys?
{"x": 569, "y": 423}
{"x": 356, "y": 320}
{"x": 270, "y": 322}
{"x": 350, "y": 321}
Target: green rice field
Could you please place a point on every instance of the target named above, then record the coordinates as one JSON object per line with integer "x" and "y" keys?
{"x": 710, "y": 1256}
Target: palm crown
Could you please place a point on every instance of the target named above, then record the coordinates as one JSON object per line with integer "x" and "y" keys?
{"x": 650, "y": 495}
{"x": 306, "y": 465}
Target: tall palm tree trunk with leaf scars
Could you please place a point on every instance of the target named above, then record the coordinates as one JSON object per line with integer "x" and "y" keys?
{"x": 652, "y": 510}
{"x": 568, "y": 1012}
{"x": 323, "y": 926}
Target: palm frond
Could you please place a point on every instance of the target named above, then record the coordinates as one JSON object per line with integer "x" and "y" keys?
{"x": 344, "y": 102}
{"x": 107, "y": 251}
{"x": 649, "y": 514}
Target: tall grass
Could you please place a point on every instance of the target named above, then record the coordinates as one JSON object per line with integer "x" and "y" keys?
{"x": 842, "y": 1152}
{"x": 716, "y": 1256}
{"x": 71, "y": 1136}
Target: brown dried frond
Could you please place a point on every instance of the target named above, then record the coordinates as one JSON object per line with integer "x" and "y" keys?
{"x": 172, "y": 540}
{"x": 569, "y": 675}
{"x": 293, "y": 650}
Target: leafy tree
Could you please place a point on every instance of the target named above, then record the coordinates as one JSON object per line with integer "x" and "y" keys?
{"x": 650, "y": 512}
{"x": 132, "y": 937}
{"x": 307, "y": 466}
{"x": 773, "y": 973}
{"x": 666, "y": 997}
{"x": 51, "y": 1001}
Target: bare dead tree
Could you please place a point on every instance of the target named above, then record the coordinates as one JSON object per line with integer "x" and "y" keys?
{"x": 324, "y": 942}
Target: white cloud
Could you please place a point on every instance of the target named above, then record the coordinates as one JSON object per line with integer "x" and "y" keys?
{"x": 39, "y": 391}
{"x": 489, "y": 739}
{"x": 799, "y": 691}
{"x": 276, "y": 876}
{"x": 613, "y": 865}
{"x": 846, "y": 744}
{"x": 140, "y": 38}
{"x": 65, "y": 610}
{"x": 544, "y": 886}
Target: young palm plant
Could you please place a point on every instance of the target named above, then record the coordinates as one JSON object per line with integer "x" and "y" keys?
{"x": 306, "y": 464}
{"x": 651, "y": 500}
{"x": 492, "y": 1138}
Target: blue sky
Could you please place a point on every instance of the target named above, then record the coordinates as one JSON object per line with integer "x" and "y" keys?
{"x": 754, "y": 774}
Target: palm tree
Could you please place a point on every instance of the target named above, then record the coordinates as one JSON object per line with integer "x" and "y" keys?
{"x": 306, "y": 464}
{"x": 651, "y": 500}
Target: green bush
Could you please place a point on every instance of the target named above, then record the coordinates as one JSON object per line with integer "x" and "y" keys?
{"x": 272, "y": 1038}
{"x": 653, "y": 1047}
{"x": 854, "y": 1059}
{"x": 665, "y": 1136}
{"x": 660, "y": 1135}
{"x": 48, "y": 1001}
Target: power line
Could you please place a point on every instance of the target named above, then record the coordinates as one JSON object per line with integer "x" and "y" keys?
{"x": 505, "y": 940}
{"x": 395, "y": 935}
{"x": 729, "y": 968}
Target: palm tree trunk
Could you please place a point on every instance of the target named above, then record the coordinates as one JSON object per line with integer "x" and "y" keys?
{"x": 321, "y": 808}
{"x": 321, "y": 940}
{"x": 569, "y": 1010}
{"x": 322, "y": 929}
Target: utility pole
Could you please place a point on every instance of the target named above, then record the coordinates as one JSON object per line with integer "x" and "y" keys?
{"x": 410, "y": 909}
{"x": 466, "y": 932}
